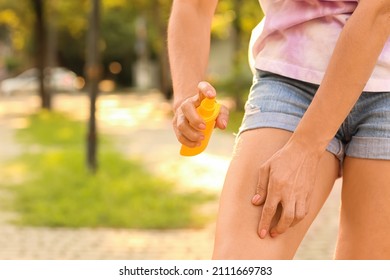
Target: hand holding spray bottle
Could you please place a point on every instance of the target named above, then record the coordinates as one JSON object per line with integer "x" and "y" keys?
{"x": 208, "y": 111}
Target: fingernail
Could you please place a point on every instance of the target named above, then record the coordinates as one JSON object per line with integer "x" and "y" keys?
{"x": 202, "y": 126}
{"x": 224, "y": 123}
{"x": 201, "y": 137}
{"x": 263, "y": 233}
{"x": 209, "y": 93}
{"x": 274, "y": 234}
{"x": 256, "y": 199}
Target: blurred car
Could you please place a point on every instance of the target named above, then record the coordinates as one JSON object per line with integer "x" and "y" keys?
{"x": 60, "y": 79}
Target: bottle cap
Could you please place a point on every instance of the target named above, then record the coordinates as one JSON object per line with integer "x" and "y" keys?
{"x": 207, "y": 107}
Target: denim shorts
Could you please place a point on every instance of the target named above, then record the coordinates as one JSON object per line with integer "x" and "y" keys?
{"x": 279, "y": 102}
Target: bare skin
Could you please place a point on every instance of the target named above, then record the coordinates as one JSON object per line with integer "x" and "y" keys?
{"x": 290, "y": 175}
{"x": 365, "y": 211}
{"x": 351, "y": 64}
{"x": 236, "y": 236}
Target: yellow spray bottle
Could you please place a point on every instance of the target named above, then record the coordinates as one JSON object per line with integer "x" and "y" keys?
{"x": 208, "y": 111}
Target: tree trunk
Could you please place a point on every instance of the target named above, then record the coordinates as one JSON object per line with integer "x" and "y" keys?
{"x": 165, "y": 78}
{"x": 40, "y": 49}
{"x": 52, "y": 43}
{"x": 165, "y": 83}
{"x": 237, "y": 71}
{"x": 93, "y": 73}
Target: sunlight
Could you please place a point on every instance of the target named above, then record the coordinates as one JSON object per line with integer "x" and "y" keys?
{"x": 202, "y": 171}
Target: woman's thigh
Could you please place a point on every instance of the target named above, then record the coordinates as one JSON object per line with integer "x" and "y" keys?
{"x": 365, "y": 210}
{"x": 236, "y": 233}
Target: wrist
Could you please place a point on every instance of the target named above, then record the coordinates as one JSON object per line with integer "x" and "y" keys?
{"x": 181, "y": 94}
{"x": 308, "y": 142}
{"x": 176, "y": 103}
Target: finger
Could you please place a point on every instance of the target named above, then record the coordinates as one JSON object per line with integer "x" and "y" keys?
{"x": 206, "y": 90}
{"x": 308, "y": 201}
{"x": 223, "y": 118}
{"x": 189, "y": 142}
{"x": 285, "y": 221}
{"x": 186, "y": 134}
{"x": 267, "y": 215}
{"x": 300, "y": 211}
{"x": 262, "y": 186}
{"x": 188, "y": 109}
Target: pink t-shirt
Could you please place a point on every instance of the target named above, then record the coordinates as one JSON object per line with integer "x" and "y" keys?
{"x": 296, "y": 39}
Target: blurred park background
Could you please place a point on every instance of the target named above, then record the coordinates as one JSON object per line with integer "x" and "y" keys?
{"x": 89, "y": 165}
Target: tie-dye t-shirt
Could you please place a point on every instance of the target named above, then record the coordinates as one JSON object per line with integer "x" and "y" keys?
{"x": 296, "y": 39}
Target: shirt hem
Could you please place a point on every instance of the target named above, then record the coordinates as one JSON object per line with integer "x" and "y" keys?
{"x": 311, "y": 75}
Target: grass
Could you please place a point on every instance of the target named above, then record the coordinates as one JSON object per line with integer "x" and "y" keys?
{"x": 52, "y": 129}
{"x": 59, "y": 192}
{"x": 235, "y": 119}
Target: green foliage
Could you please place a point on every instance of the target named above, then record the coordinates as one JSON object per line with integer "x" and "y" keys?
{"x": 119, "y": 34}
{"x": 15, "y": 26}
{"x": 12, "y": 63}
{"x": 70, "y": 17}
{"x": 235, "y": 119}
{"x": 248, "y": 15}
{"x": 235, "y": 20}
{"x": 117, "y": 43}
{"x": 123, "y": 194}
{"x": 58, "y": 191}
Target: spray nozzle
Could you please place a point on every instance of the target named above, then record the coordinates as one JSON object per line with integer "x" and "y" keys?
{"x": 207, "y": 107}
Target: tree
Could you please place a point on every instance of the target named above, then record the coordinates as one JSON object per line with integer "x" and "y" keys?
{"x": 40, "y": 50}
{"x": 165, "y": 83}
{"x": 156, "y": 14}
{"x": 235, "y": 20}
{"x": 16, "y": 36}
{"x": 93, "y": 73}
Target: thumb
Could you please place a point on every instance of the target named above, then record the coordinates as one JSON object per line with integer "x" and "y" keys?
{"x": 262, "y": 186}
{"x": 206, "y": 90}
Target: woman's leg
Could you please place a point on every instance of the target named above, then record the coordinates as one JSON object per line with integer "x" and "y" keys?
{"x": 236, "y": 234}
{"x": 365, "y": 210}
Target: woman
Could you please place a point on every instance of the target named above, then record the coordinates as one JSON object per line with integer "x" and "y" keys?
{"x": 319, "y": 107}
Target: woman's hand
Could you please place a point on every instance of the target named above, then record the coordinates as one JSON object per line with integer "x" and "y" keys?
{"x": 187, "y": 123}
{"x": 286, "y": 180}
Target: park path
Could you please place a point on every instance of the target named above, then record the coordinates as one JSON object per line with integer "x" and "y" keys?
{"x": 140, "y": 123}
